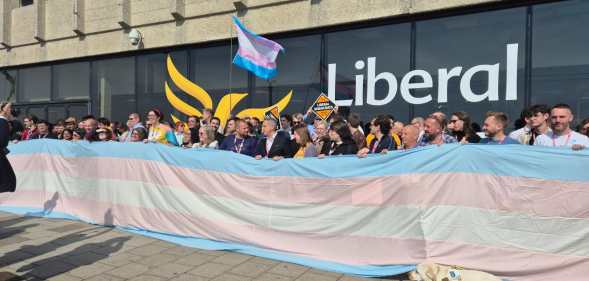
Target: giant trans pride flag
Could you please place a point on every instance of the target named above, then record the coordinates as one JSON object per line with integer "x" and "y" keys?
{"x": 518, "y": 212}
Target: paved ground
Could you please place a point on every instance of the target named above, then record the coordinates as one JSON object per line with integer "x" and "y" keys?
{"x": 48, "y": 249}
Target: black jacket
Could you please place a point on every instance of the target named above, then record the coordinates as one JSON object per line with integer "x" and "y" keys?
{"x": 46, "y": 136}
{"x": 7, "y": 178}
{"x": 386, "y": 142}
{"x": 4, "y": 136}
{"x": 219, "y": 137}
{"x": 345, "y": 148}
{"x": 281, "y": 146}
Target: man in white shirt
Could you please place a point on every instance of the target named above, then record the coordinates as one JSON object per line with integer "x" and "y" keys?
{"x": 276, "y": 144}
{"x": 561, "y": 116}
{"x": 419, "y": 123}
{"x": 523, "y": 134}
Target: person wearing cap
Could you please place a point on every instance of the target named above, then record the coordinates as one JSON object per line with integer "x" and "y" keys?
{"x": 104, "y": 134}
{"x": 67, "y": 135}
{"x": 139, "y": 135}
{"x": 78, "y": 134}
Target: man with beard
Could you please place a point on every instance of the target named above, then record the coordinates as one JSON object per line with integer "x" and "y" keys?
{"x": 7, "y": 177}
{"x": 240, "y": 142}
{"x": 562, "y": 135}
{"x": 494, "y": 128}
{"x": 216, "y": 124}
{"x": 434, "y": 132}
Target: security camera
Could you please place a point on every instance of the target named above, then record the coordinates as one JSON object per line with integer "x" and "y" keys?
{"x": 135, "y": 37}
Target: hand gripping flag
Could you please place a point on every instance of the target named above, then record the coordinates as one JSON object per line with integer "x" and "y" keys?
{"x": 256, "y": 53}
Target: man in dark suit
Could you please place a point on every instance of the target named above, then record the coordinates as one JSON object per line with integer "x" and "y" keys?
{"x": 43, "y": 131}
{"x": 7, "y": 177}
{"x": 275, "y": 145}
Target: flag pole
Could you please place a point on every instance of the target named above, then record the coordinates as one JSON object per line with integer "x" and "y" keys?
{"x": 230, "y": 69}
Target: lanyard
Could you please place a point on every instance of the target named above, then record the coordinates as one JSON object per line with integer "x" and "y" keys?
{"x": 567, "y": 141}
{"x": 153, "y": 134}
{"x": 375, "y": 145}
{"x": 236, "y": 148}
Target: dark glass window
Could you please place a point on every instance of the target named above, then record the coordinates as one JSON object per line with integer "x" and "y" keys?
{"x": 39, "y": 111}
{"x": 152, "y": 75}
{"x": 34, "y": 84}
{"x": 77, "y": 110}
{"x": 114, "y": 87}
{"x": 298, "y": 71}
{"x": 383, "y": 51}
{"x": 55, "y": 112}
{"x": 213, "y": 70}
{"x": 7, "y": 84}
{"x": 473, "y": 46}
{"x": 560, "y": 58}
{"x": 26, "y": 2}
{"x": 71, "y": 81}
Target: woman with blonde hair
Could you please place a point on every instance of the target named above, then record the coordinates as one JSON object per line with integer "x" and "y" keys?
{"x": 304, "y": 142}
{"x": 206, "y": 135}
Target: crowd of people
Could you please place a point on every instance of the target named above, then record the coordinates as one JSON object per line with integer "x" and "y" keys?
{"x": 307, "y": 135}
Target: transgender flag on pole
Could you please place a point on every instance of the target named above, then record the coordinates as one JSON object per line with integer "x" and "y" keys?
{"x": 256, "y": 53}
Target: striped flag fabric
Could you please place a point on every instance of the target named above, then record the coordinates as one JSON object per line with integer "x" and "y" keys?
{"x": 514, "y": 211}
{"x": 256, "y": 53}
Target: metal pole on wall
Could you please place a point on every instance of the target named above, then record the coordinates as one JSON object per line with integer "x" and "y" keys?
{"x": 230, "y": 69}
{"x": 12, "y": 82}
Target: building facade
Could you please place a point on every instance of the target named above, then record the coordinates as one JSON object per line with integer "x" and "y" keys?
{"x": 405, "y": 58}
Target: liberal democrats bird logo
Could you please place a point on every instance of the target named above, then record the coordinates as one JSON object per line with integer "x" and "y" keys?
{"x": 225, "y": 107}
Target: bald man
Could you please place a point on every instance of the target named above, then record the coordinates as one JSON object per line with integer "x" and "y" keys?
{"x": 409, "y": 136}
{"x": 562, "y": 135}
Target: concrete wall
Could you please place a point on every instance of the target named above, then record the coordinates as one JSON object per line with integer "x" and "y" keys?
{"x": 61, "y": 29}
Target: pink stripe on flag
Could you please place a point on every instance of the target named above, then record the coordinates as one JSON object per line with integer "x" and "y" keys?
{"x": 256, "y": 58}
{"x": 514, "y": 264}
{"x": 259, "y": 39}
{"x": 550, "y": 198}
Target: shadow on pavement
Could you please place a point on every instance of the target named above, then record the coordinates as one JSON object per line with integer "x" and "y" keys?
{"x": 8, "y": 232}
{"x": 13, "y": 221}
{"x": 28, "y": 251}
{"x": 58, "y": 264}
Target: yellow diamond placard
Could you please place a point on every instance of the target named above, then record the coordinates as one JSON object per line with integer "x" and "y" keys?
{"x": 273, "y": 113}
{"x": 323, "y": 107}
